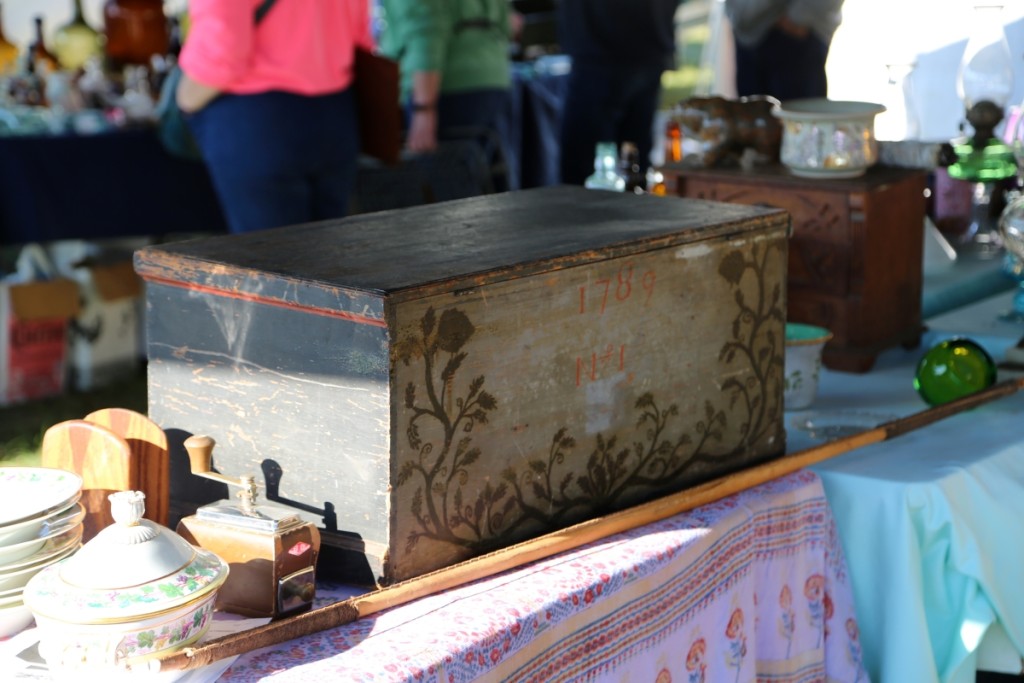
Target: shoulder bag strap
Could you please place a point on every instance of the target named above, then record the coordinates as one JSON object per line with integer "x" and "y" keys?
{"x": 262, "y": 9}
{"x": 484, "y": 21}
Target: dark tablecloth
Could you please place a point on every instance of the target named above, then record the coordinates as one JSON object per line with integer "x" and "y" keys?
{"x": 116, "y": 184}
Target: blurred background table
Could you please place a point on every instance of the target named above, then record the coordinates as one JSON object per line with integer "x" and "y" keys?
{"x": 108, "y": 185}
{"x": 930, "y": 522}
{"x": 752, "y": 587}
{"x": 122, "y": 183}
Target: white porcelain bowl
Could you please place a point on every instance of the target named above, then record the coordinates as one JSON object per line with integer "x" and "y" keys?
{"x": 824, "y": 138}
{"x": 55, "y": 547}
{"x": 59, "y": 526}
{"x": 18, "y": 532}
{"x": 16, "y": 579}
{"x": 29, "y": 494}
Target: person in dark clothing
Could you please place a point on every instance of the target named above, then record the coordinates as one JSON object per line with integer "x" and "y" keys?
{"x": 782, "y": 45}
{"x": 619, "y": 50}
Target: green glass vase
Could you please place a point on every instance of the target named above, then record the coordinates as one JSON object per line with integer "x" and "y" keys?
{"x": 952, "y": 369}
{"x": 76, "y": 42}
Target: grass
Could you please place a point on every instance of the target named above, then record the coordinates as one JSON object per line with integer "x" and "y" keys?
{"x": 22, "y": 425}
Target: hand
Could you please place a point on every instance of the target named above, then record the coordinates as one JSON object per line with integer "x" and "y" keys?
{"x": 516, "y": 22}
{"x": 193, "y": 95}
{"x": 422, "y": 136}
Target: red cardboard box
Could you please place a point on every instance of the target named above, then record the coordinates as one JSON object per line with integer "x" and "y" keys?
{"x": 33, "y": 347}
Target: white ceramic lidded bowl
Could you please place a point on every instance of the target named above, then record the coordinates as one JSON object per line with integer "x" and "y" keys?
{"x": 804, "y": 346}
{"x": 823, "y": 138}
{"x": 134, "y": 592}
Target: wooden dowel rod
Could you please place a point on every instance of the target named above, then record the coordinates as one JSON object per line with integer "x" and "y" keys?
{"x": 556, "y": 542}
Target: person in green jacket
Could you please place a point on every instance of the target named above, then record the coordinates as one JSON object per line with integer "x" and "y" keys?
{"x": 454, "y": 61}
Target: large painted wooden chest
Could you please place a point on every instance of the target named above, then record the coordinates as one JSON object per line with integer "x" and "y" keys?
{"x": 427, "y": 384}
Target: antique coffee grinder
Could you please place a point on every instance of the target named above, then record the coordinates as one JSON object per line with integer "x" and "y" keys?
{"x": 271, "y": 552}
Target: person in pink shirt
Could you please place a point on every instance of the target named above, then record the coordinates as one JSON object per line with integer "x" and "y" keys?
{"x": 267, "y": 91}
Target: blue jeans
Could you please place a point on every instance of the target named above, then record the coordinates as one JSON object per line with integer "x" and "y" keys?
{"x": 279, "y": 158}
{"x": 783, "y": 66}
{"x": 607, "y": 103}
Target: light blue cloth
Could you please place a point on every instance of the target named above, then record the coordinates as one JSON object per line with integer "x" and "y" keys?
{"x": 964, "y": 282}
{"x": 932, "y": 522}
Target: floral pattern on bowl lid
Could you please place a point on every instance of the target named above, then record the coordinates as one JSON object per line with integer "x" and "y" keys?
{"x": 134, "y": 568}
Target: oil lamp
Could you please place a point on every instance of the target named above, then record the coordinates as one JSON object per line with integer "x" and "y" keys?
{"x": 984, "y": 84}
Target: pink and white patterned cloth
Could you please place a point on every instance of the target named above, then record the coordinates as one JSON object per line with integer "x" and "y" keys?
{"x": 750, "y": 588}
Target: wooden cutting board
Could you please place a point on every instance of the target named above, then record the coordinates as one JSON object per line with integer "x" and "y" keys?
{"x": 148, "y": 444}
{"x": 102, "y": 458}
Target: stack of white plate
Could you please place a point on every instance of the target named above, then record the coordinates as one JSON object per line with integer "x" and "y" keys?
{"x": 40, "y": 523}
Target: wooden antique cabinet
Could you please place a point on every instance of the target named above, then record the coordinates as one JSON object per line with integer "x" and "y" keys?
{"x": 855, "y": 250}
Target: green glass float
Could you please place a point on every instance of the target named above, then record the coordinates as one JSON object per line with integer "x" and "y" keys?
{"x": 952, "y": 369}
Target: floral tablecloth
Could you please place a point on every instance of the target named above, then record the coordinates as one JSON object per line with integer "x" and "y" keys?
{"x": 751, "y": 588}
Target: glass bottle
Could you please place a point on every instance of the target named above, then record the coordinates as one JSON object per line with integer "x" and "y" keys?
{"x": 26, "y": 88}
{"x": 656, "y": 182}
{"x": 673, "y": 142}
{"x": 136, "y": 31}
{"x": 1011, "y": 229}
{"x": 75, "y": 42}
{"x": 606, "y": 174}
{"x": 953, "y": 369}
{"x": 43, "y": 61}
{"x": 137, "y": 100}
{"x": 8, "y": 51}
{"x": 629, "y": 167}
